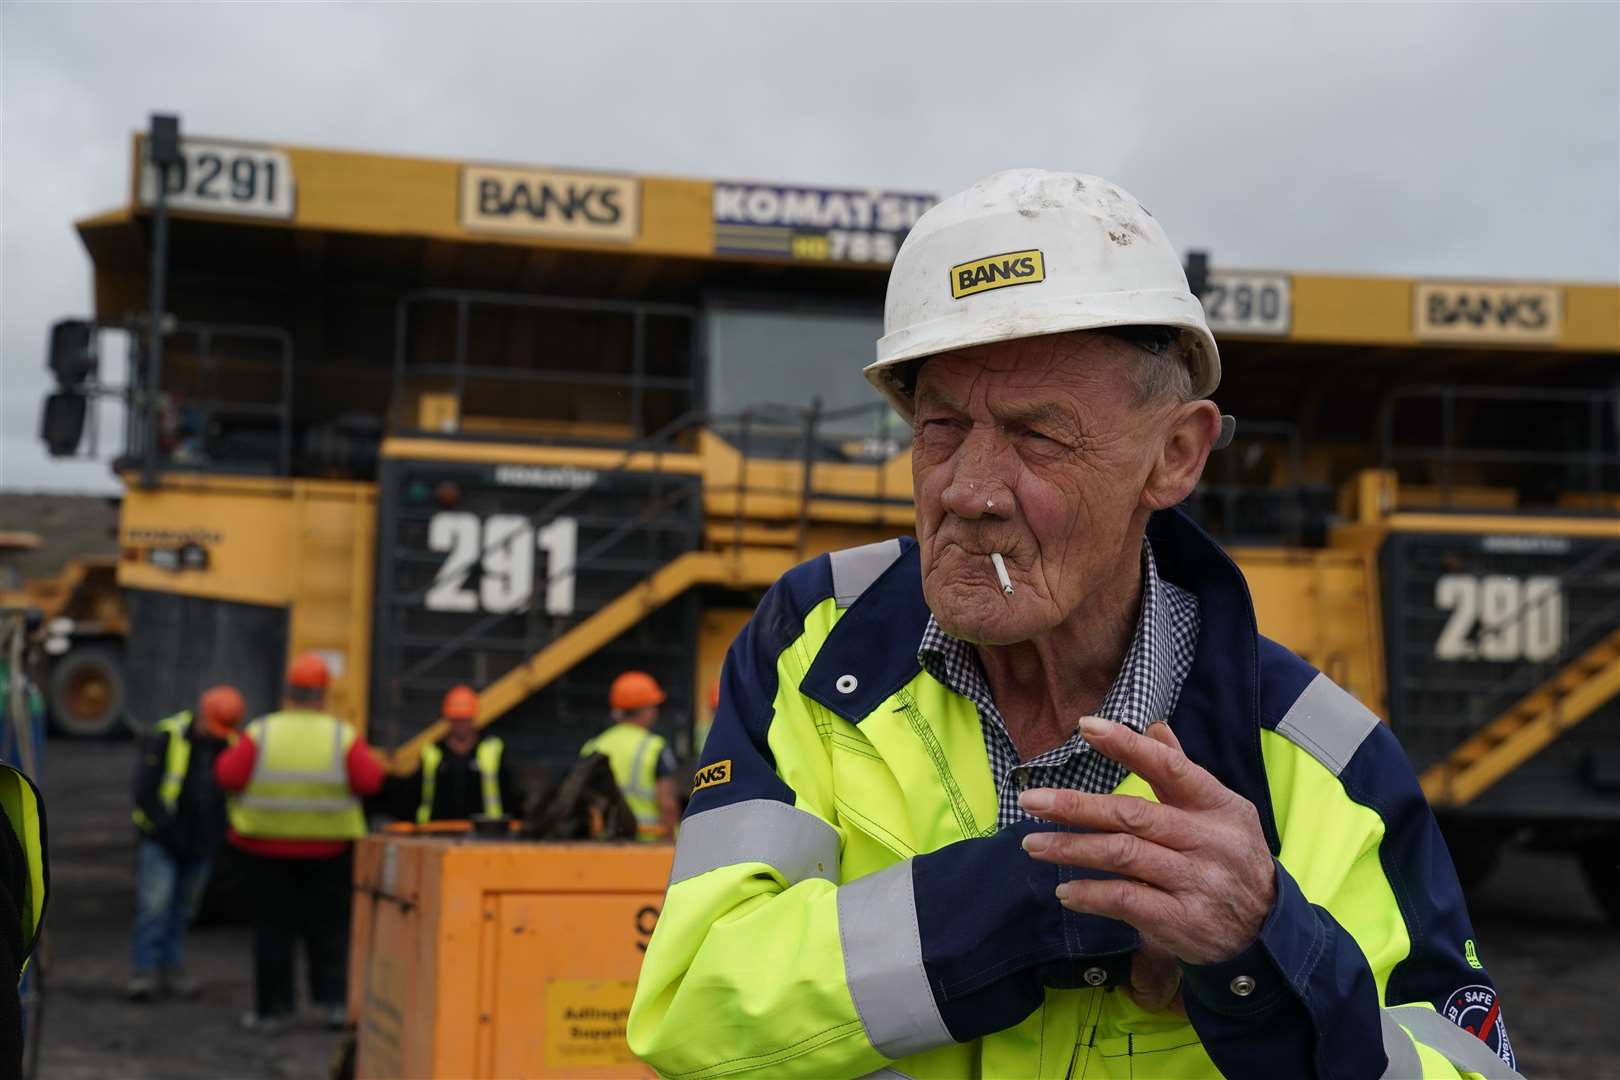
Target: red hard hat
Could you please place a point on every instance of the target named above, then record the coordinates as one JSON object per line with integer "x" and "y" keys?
{"x": 461, "y": 703}
{"x": 635, "y": 690}
{"x": 222, "y": 707}
{"x": 308, "y": 672}
{"x": 714, "y": 695}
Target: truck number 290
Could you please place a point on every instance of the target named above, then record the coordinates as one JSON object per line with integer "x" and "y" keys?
{"x": 502, "y": 546}
{"x": 1499, "y": 617}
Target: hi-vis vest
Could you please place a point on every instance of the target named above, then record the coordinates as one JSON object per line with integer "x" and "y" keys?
{"x": 843, "y": 903}
{"x": 487, "y": 760}
{"x": 633, "y": 752}
{"x": 299, "y": 789}
{"x": 24, "y": 812}
{"x": 176, "y": 760}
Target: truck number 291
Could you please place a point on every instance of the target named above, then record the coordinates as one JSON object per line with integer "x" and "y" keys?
{"x": 502, "y": 546}
{"x": 1499, "y": 617}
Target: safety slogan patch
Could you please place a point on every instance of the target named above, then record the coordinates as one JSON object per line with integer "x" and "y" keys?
{"x": 1476, "y": 1010}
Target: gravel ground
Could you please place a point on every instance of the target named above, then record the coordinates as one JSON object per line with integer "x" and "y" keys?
{"x": 1553, "y": 957}
{"x": 90, "y": 1031}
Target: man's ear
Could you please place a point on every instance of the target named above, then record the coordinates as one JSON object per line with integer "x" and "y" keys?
{"x": 1188, "y": 436}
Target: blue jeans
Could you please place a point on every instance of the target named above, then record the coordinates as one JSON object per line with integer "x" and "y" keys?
{"x": 166, "y": 897}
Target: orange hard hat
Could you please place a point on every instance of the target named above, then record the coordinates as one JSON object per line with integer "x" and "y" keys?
{"x": 308, "y": 672}
{"x": 222, "y": 707}
{"x": 714, "y": 695}
{"x": 460, "y": 703}
{"x": 635, "y": 690}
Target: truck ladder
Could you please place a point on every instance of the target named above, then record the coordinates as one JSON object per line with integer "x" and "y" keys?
{"x": 740, "y": 569}
{"x": 1579, "y": 689}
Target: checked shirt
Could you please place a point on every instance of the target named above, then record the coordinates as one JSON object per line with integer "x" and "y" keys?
{"x": 1146, "y": 689}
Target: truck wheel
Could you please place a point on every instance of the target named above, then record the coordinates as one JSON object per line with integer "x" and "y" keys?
{"x": 1600, "y": 863}
{"x": 87, "y": 691}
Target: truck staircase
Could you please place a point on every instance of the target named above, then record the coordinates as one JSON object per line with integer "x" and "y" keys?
{"x": 1574, "y": 693}
{"x": 747, "y": 545}
{"x": 745, "y": 570}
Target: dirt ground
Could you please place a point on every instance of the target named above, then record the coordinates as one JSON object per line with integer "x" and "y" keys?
{"x": 1553, "y": 957}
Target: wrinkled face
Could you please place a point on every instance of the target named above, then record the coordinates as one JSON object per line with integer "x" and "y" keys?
{"x": 1038, "y": 449}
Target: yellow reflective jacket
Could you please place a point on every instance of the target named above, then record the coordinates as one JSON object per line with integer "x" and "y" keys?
{"x": 633, "y": 753}
{"x": 486, "y": 760}
{"x": 299, "y": 789}
{"x": 176, "y": 760}
{"x": 24, "y": 811}
{"x": 842, "y": 902}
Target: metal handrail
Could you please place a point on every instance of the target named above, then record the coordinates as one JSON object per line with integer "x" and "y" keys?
{"x": 636, "y": 380}
{"x": 142, "y": 409}
{"x": 1592, "y": 460}
{"x": 655, "y": 443}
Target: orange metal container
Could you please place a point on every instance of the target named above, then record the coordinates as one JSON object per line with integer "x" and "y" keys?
{"x": 478, "y": 958}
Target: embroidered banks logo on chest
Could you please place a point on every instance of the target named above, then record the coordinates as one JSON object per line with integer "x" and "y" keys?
{"x": 712, "y": 776}
{"x": 997, "y": 272}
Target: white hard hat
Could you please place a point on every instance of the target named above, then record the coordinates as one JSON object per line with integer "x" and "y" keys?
{"x": 1029, "y": 252}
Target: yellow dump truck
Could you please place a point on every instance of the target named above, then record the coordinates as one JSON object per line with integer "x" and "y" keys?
{"x": 525, "y": 427}
{"x": 82, "y": 623}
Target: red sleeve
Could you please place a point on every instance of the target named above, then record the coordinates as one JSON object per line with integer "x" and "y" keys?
{"x": 234, "y": 766}
{"x": 365, "y": 771}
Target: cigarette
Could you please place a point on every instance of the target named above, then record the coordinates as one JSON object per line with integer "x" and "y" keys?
{"x": 1001, "y": 572}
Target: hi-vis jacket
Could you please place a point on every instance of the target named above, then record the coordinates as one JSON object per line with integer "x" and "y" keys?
{"x": 842, "y": 904}
{"x": 299, "y": 788}
{"x": 27, "y": 882}
{"x": 633, "y": 753}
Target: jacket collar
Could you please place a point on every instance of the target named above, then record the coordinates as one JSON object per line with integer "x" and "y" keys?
{"x": 872, "y": 652}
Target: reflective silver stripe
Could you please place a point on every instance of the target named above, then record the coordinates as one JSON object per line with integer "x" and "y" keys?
{"x": 1461, "y": 1048}
{"x": 634, "y": 786}
{"x": 1404, "y": 1063}
{"x": 1327, "y": 723}
{"x": 273, "y": 802}
{"x": 883, "y": 963}
{"x": 854, "y": 569}
{"x": 793, "y": 842}
{"x": 886, "y": 1074}
{"x": 488, "y": 762}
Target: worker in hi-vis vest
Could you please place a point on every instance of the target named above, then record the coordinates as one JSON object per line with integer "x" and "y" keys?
{"x": 641, "y": 760}
{"x": 296, "y": 778}
{"x": 180, "y": 814}
{"x": 24, "y": 884}
{"x": 465, "y": 773}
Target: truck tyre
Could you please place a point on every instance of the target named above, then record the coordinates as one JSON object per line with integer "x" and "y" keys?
{"x": 1600, "y": 864}
{"x": 87, "y": 691}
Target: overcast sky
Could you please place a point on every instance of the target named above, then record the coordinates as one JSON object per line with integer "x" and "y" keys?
{"x": 1440, "y": 139}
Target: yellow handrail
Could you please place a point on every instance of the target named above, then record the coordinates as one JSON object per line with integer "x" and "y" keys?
{"x": 1578, "y": 690}
{"x": 743, "y": 568}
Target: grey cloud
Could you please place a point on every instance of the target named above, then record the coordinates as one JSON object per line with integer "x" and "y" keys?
{"x": 1442, "y": 139}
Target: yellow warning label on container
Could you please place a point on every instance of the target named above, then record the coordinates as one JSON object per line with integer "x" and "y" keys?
{"x": 585, "y": 1022}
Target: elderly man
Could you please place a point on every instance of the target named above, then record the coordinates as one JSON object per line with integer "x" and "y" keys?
{"x": 941, "y": 823}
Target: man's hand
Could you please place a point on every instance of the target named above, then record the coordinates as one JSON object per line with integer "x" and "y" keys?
{"x": 1155, "y": 979}
{"x": 1195, "y": 873}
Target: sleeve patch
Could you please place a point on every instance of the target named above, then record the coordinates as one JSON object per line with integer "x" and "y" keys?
{"x": 1477, "y": 1011}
